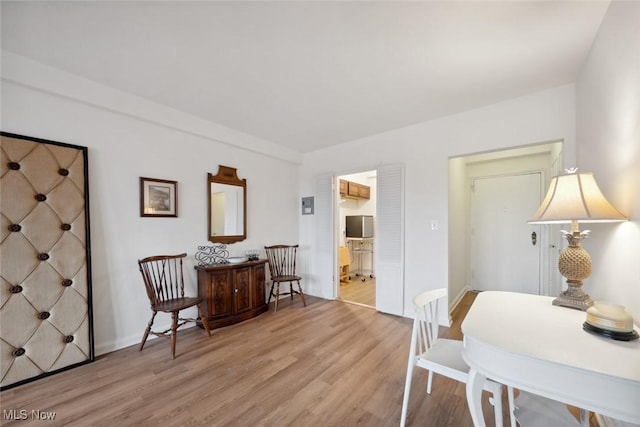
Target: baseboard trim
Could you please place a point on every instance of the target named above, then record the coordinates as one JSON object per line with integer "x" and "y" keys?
{"x": 458, "y": 298}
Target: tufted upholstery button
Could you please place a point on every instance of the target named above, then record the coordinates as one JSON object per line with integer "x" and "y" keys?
{"x": 15, "y": 289}
{"x": 40, "y": 197}
{"x": 14, "y": 166}
{"x": 43, "y": 257}
{"x": 44, "y": 315}
{"x": 68, "y": 339}
{"x": 18, "y": 352}
{"x": 15, "y": 227}
{"x": 66, "y": 227}
{"x": 67, "y": 282}
{"x": 63, "y": 171}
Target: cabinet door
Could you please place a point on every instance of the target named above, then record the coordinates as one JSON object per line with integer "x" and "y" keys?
{"x": 364, "y": 191}
{"x": 259, "y": 278}
{"x": 242, "y": 291}
{"x": 343, "y": 187}
{"x": 353, "y": 189}
{"x": 220, "y": 294}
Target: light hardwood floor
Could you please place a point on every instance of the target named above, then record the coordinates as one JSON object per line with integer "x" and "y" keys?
{"x": 329, "y": 364}
{"x": 359, "y": 292}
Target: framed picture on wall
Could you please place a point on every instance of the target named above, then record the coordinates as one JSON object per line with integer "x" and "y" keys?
{"x": 158, "y": 197}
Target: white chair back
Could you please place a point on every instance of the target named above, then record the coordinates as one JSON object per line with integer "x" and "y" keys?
{"x": 442, "y": 356}
{"x": 425, "y": 324}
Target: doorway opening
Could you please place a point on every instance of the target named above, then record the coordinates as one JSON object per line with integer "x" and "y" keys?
{"x": 356, "y": 235}
{"x": 491, "y": 245}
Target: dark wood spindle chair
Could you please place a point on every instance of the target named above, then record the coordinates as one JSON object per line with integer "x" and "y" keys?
{"x": 164, "y": 282}
{"x": 282, "y": 265}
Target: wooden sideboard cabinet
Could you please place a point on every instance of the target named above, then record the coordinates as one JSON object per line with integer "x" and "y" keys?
{"x": 232, "y": 292}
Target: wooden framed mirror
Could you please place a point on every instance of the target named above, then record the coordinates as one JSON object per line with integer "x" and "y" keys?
{"x": 227, "y": 196}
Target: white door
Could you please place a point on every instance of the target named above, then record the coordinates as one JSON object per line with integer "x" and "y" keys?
{"x": 503, "y": 254}
{"x": 323, "y": 265}
{"x": 389, "y": 240}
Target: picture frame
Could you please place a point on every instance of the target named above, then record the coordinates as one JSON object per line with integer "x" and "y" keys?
{"x": 158, "y": 197}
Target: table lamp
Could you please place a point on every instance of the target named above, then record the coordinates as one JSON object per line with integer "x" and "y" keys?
{"x": 575, "y": 198}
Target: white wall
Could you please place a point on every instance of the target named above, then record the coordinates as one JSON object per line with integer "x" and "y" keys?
{"x": 425, "y": 150}
{"x": 149, "y": 141}
{"x": 608, "y": 133}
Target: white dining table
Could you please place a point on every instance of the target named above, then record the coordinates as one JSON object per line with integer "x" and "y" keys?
{"x": 524, "y": 341}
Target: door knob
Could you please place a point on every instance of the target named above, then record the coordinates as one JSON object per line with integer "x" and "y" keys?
{"x": 534, "y": 238}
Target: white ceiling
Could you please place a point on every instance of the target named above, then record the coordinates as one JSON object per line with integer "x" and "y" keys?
{"x": 311, "y": 74}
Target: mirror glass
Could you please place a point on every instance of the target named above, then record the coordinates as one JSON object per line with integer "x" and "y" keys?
{"x": 227, "y": 195}
{"x": 227, "y": 207}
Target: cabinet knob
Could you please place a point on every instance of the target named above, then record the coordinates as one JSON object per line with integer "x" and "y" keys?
{"x": 236, "y": 290}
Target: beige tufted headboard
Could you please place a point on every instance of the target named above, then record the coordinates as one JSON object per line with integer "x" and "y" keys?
{"x": 46, "y": 322}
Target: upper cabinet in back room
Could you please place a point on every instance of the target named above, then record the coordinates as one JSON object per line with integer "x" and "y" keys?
{"x": 354, "y": 190}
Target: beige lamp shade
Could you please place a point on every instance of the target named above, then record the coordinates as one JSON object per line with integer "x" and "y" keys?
{"x": 575, "y": 197}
